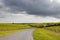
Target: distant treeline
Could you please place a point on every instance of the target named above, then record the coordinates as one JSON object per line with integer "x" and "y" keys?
{"x": 40, "y": 25}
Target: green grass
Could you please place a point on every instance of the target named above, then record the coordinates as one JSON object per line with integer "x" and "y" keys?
{"x": 45, "y": 34}
{"x": 41, "y": 33}
{"x": 54, "y": 28}
{"x": 7, "y": 29}
{"x": 5, "y": 33}
{"x": 13, "y": 26}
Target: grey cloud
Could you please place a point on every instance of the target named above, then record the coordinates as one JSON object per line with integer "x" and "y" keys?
{"x": 34, "y": 7}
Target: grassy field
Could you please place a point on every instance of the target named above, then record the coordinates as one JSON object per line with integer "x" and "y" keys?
{"x": 5, "y": 33}
{"x": 44, "y": 31}
{"x": 4, "y": 27}
{"x": 54, "y": 29}
{"x": 48, "y": 33}
{"x": 7, "y": 29}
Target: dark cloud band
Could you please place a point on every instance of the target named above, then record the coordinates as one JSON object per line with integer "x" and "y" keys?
{"x": 35, "y": 7}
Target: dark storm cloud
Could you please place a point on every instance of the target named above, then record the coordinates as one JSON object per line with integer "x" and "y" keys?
{"x": 35, "y": 7}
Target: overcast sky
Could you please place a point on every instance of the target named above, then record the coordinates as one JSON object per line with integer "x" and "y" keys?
{"x": 29, "y": 11}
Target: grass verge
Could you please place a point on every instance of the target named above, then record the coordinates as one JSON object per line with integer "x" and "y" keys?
{"x": 44, "y": 34}
{"x": 6, "y": 33}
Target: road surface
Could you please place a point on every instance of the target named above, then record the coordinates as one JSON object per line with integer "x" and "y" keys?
{"x": 24, "y": 35}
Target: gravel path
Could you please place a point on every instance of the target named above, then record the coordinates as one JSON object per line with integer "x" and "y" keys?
{"x": 24, "y": 35}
